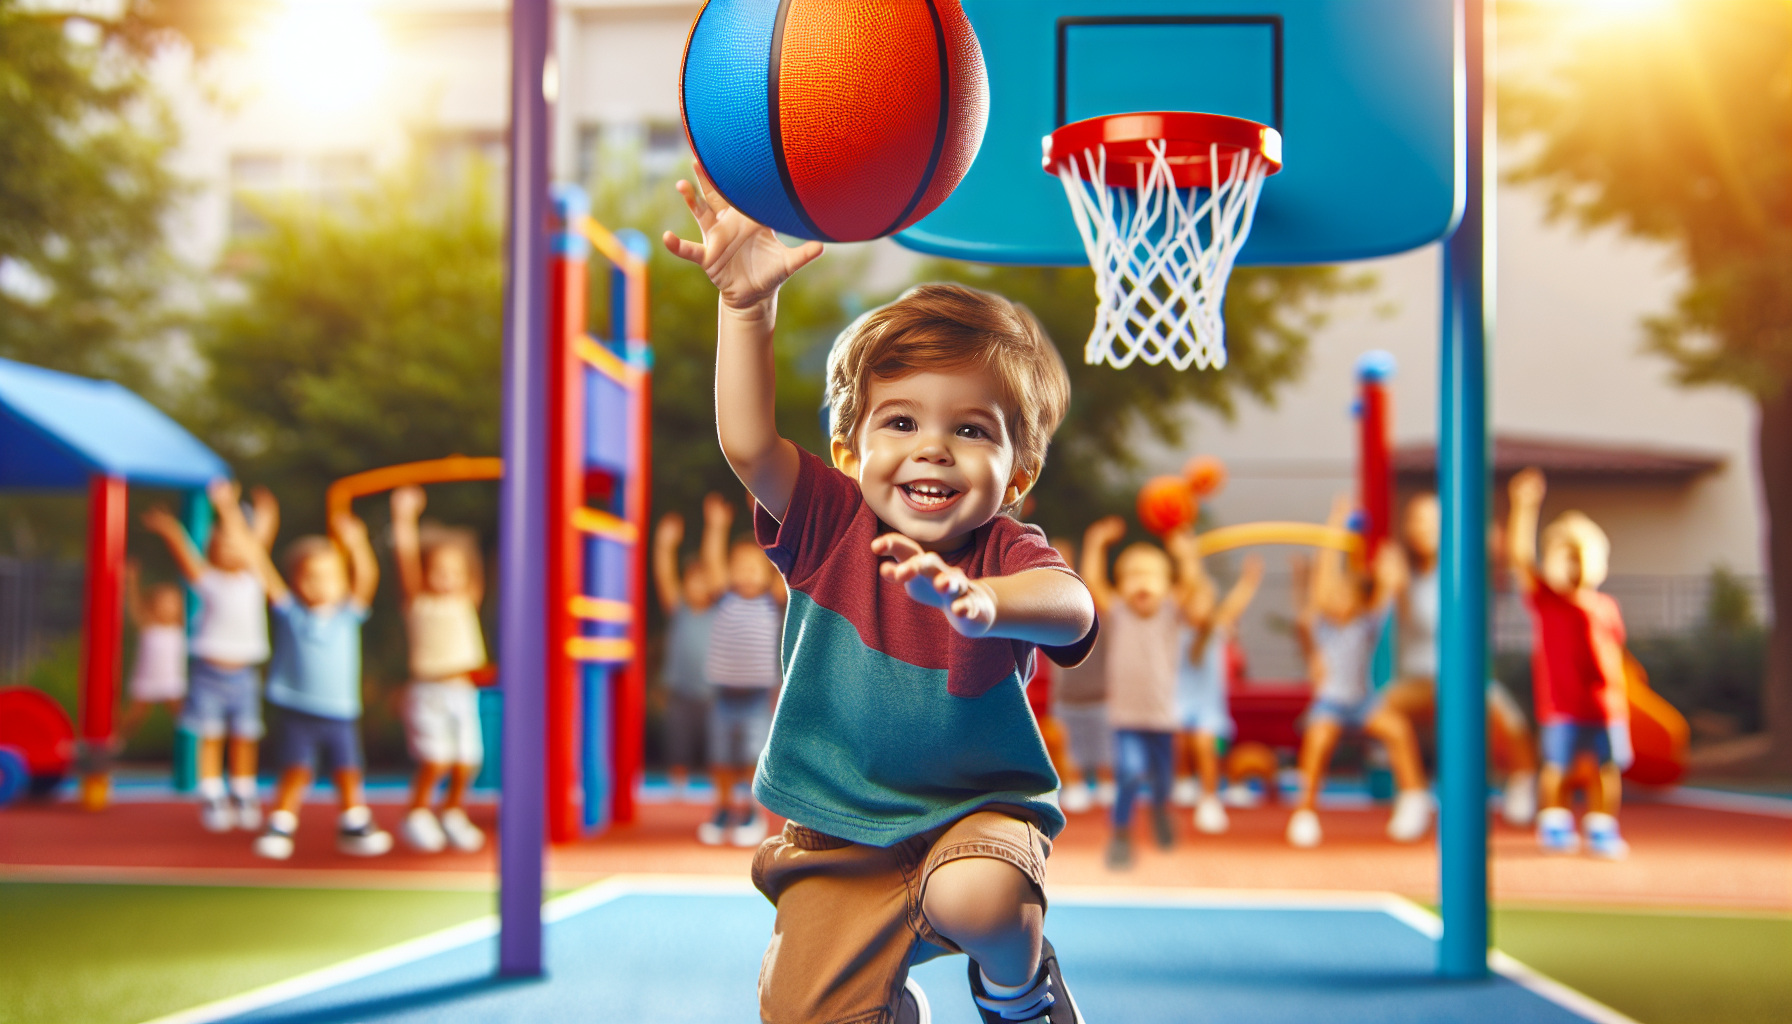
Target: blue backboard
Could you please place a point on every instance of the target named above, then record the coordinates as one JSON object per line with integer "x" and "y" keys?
{"x": 1364, "y": 93}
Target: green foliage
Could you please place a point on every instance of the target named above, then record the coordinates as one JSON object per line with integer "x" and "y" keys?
{"x": 84, "y": 189}
{"x": 1093, "y": 469}
{"x": 1675, "y": 126}
{"x": 1718, "y": 667}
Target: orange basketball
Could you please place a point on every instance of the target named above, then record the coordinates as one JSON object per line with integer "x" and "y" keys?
{"x": 1166, "y": 504}
{"x": 1206, "y": 475}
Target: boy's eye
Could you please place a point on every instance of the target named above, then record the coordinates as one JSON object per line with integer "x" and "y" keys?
{"x": 902, "y": 423}
{"x": 973, "y": 432}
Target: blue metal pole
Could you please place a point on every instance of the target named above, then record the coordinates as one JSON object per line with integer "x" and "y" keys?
{"x": 1463, "y": 481}
{"x": 522, "y": 510}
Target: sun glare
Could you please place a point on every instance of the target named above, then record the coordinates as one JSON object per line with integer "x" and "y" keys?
{"x": 1593, "y": 12}
{"x": 323, "y": 56}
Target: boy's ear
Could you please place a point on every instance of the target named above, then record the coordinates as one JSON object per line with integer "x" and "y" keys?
{"x": 845, "y": 459}
{"x": 1018, "y": 485}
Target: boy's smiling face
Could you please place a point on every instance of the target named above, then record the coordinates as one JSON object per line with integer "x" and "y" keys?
{"x": 934, "y": 455}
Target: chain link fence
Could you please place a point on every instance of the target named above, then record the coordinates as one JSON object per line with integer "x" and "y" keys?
{"x": 40, "y": 604}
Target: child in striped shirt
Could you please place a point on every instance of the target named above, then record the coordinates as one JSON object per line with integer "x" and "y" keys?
{"x": 744, "y": 670}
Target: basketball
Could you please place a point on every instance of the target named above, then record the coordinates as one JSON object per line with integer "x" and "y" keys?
{"x": 1166, "y": 504}
{"x": 836, "y": 120}
{"x": 1206, "y": 476}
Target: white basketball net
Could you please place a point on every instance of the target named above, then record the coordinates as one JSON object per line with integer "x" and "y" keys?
{"x": 1161, "y": 290}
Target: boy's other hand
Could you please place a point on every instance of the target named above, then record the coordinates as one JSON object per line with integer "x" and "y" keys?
{"x": 970, "y": 606}
{"x": 670, "y": 531}
{"x": 408, "y": 502}
{"x": 743, "y": 258}
{"x": 1106, "y": 530}
{"x": 157, "y": 519}
{"x": 1527, "y": 487}
{"x": 224, "y": 492}
{"x": 349, "y": 528}
{"x": 717, "y": 511}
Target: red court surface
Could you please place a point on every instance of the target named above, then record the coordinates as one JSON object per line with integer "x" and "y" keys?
{"x": 1682, "y": 856}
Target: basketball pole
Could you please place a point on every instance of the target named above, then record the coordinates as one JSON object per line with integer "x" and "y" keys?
{"x": 1467, "y": 310}
{"x": 522, "y": 508}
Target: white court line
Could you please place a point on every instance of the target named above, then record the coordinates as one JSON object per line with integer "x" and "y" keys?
{"x": 574, "y": 903}
{"x": 1722, "y": 800}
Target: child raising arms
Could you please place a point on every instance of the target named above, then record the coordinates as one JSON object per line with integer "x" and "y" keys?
{"x": 903, "y": 751}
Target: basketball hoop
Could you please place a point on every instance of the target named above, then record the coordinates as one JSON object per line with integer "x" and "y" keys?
{"x": 1164, "y": 202}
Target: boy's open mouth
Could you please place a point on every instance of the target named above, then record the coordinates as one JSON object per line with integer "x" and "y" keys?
{"x": 928, "y": 495}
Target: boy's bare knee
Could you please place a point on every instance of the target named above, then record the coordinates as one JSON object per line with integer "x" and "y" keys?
{"x": 980, "y": 899}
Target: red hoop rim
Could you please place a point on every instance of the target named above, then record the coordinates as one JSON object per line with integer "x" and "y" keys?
{"x": 1190, "y": 136}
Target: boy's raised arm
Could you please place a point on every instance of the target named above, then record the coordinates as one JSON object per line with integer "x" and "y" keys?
{"x": 407, "y": 546}
{"x": 1044, "y": 606}
{"x": 1194, "y": 590}
{"x": 667, "y": 535}
{"x": 1096, "y": 540}
{"x": 224, "y": 497}
{"x": 1526, "y": 492}
{"x": 162, "y": 523}
{"x": 747, "y": 264}
{"x": 133, "y": 593}
{"x": 363, "y": 567}
{"x": 1328, "y": 565}
{"x": 718, "y": 523}
{"x": 266, "y": 522}
{"x": 1240, "y": 596}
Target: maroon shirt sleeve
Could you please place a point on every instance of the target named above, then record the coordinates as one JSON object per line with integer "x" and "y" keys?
{"x": 1014, "y": 548}
{"x": 822, "y": 507}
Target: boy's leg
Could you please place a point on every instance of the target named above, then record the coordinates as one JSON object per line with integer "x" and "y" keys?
{"x": 1130, "y": 766}
{"x": 1316, "y": 747}
{"x": 1555, "y": 823}
{"x": 1207, "y": 761}
{"x": 289, "y": 793}
{"x": 990, "y": 909}
{"x": 1391, "y": 725}
{"x": 423, "y": 784}
{"x": 1160, "y": 760}
{"x": 293, "y": 751}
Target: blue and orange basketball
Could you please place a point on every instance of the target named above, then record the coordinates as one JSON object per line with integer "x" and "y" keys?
{"x": 838, "y": 120}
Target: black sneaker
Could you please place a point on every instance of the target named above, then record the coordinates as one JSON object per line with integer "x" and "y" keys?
{"x": 1161, "y": 828}
{"x": 714, "y": 832}
{"x": 1120, "y": 852}
{"x": 363, "y": 840}
{"x": 1048, "y": 1002}
{"x": 911, "y": 1005}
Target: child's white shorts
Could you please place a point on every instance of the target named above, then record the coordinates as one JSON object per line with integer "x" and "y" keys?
{"x": 441, "y": 722}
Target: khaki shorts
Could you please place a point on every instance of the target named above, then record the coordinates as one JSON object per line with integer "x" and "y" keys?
{"x": 849, "y": 921}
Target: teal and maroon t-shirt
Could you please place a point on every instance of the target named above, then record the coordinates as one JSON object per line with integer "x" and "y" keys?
{"x": 891, "y": 722}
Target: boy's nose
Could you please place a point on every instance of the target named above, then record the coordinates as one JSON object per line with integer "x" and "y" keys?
{"x": 932, "y": 450}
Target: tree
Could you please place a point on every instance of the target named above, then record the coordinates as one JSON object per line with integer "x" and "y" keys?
{"x": 83, "y": 193}
{"x": 1678, "y": 127}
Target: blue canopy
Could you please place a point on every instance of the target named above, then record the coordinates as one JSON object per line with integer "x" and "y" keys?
{"x": 57, "y": 429}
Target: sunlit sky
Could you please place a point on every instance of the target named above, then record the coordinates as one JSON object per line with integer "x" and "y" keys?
{"x": 322, "y": 56}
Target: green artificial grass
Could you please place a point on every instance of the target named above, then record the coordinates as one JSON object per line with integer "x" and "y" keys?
{"x": 120, "y": 954}
{"x": 1661, "y": 967}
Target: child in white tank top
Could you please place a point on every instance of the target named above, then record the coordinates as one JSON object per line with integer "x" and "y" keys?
{"x": 159, "y": 671}
{"x": 440, "y": 573}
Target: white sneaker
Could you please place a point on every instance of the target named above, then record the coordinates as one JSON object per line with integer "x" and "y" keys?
{"x": 1185, "y": 793}
{"x": 1412, "y": 816}
{"x": 1303, "y": 830}
{"x": 215, "y": 814}
{"x": 1603, "y": 839}
{"x": 1210, "y": 816}
{"x": 422, "y": 832}
{"x": 359, "y": 836}
{"x": 714, "y": 832}
{"x": 1075, "y": 798}
{"x": 912, "y": 1007}
{"x": 1106, "y": 793}
{"x": 247, "y": 813}
{"x": 1555, "y": 831}
{"x": 1518, "y": 805}
{"x": 1240, "y": 795}
{"x": 462, "y": 834}
{"x": 276, "y": 843}
{"x": 750, "y": 832}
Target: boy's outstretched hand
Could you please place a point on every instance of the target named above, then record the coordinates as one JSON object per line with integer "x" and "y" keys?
{"x": 743, "y": 258}
{"x": 970, "y": 606}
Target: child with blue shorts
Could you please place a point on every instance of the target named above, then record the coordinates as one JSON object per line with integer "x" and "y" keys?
{"x": 1202, "y": 700}
{"x": 315, "y": 681}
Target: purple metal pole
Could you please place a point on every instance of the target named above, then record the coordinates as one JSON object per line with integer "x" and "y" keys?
{"x": 522, "y": 510}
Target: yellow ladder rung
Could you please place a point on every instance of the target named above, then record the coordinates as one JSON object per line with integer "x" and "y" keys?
{"x": 600, "y": 648}
{"x": 602, "y": 609}
{"x": 605, "y": 525}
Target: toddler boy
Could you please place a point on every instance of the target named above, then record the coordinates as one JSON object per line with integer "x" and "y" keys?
{"x": 903, "y": 752}
{"x": 230, "y": 638}
{"x": 688, "y": 600}
{"x": 1202, "y": 700}
{"x": 1577, "y": 667}
{"x": 743, "y": 666}
{"x": 315, "y": 680}
{"x": 1080, "y": 704}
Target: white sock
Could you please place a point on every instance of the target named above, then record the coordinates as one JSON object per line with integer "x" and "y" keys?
{"x": 244, "y": 787}
{"x": 354, "y": 817}
{"x": 1002, "y": 991}
{"x": 211, "y": 788}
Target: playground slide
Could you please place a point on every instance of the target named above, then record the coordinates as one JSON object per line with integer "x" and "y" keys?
{"x": 1658, "y": 732}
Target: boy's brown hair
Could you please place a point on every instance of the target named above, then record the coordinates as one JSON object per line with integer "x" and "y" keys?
{"x": 304, "y": 549}
{"x": 433, "y": 537}
{"x": 952, "y": 327}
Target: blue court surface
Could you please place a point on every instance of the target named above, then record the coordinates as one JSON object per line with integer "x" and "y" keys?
{"x": 668, "y": 950}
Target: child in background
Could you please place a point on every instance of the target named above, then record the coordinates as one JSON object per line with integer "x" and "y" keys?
{"x": 1142, "y": 614}
{"x": 1577, "y": 667}
{"x": 903, "y": 753}
{"x": 1346, "y": 609}
{"x": 439, "y": 570}
{"x": 743, "y": 666}
{"x": 688, "y": 600}
{"x": 1202, "y": 678}
{"x": 1080, "y": 705}
{"x": 159, "y": 671}
{"x": 315, "y": 679}
{"x": 229, "y": 640}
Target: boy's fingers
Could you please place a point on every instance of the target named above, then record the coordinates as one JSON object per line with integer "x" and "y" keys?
{"x": 801, "y": 256}
{"x": 682, "y": 249}
{"x": 897, "y": 546}
{"x": 711, "y": 194}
